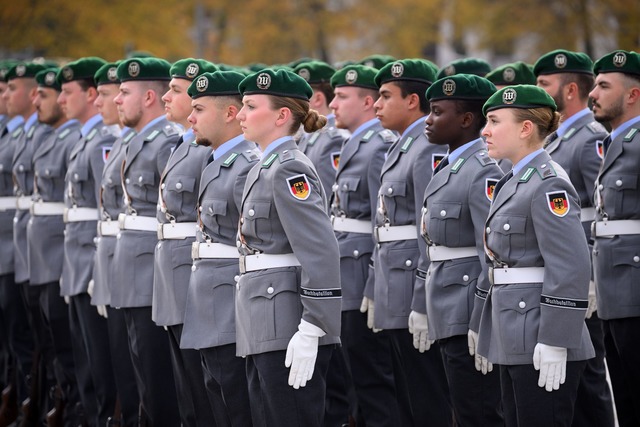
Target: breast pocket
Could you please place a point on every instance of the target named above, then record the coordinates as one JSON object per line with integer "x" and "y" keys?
{"x": 347, "y": 188}
{"x": 444, "y": 226}
{"x": 508, "y": 240}
{"x": 459, "y": 279}
{"x": 141, "y": 185}
{"x": 213, "y": 212}
{"x": 392, "y": 194}
{"x": 77, "y": 178}
{"x": 180, "y": 191}
{"x": 402, "y": 267}
{"x": 256, "y": 220}
{"x": 620, "y": 193}
{"x": 518, "y": 308}
{"x": 47, "y": 176}
{"x": 626, "y": 270}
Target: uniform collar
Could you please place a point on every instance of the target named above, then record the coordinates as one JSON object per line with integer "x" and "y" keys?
{"x": 453, "y": 156}
{"x": 565, "y": 125}
{"x": 522, "y": 163}
{"x": 30, "y": 122}
{"x": 89, "y": 124}
{"x": 151, "y": 123}
{"x": 366, "y": 125}
{"x": 275, "y": 144}
{"x": 67, "y": 124}
{"x": 623, "y": 127}
{"x": 227, "y": 146}
{"x": 14, "y": 123}
{"x": 413, "y": 125}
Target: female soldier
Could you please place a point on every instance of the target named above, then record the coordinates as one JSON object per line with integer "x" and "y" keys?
{"x": 289, "y": 260}
{"x": 533, "y": 318}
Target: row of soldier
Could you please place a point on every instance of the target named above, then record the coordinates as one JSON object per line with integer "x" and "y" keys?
{"x": 127, "y": 146}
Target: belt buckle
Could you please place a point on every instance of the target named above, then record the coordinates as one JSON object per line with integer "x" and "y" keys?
{"x": 65, "y": 215}
{"x": 376, "y": 233}
{"x": 195, "y": 250}
{"x": 490, "y": 274}
{"x": 121, "y": 220}
{"x": 160, "y": 231}
{"x": 243, "y": 264}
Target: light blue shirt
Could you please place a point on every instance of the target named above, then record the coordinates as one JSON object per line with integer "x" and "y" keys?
{"x": 275, "y": 144}
{"x": 566, "y": 125}
{"x": 84, "y": 131}
{"x": 455, "y": 154}
{"x": 413, "y": 125}
{"x": 14, "y": 123}
{"x": 365, "y": 125}
{"x": 66, "y": 125}
{"x": 188, "y": 136}
{"x": 518, "y": 166}
{"x": 227, "y": 146}
{"x": 151, "y": 123}
{"x": 30, "y": 122}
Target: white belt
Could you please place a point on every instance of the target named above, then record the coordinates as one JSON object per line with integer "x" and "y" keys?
{"x": 176, "y": 230}
{"x": 391, "y": 234}
{"x": 264, "y": 261}
{"x": 108, "y": 228}
{"x": 213, "y": 250}
{"x": 444, "y": 253}
{"x": 80, "y": 214}
{"x": 23, "y": 203}
{"x": 504, "y": 276}
{"x": 140, "y": 223}
{"x": 351, "y": 225}
{"x": 618, "y": 227}
{"x": 47, "y": 208}
{"x": 7, "y": 203}
{"x": 587, "y": 214}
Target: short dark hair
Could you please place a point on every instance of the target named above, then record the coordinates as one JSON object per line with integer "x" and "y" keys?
{"x": 473, "y": 106}
{"x": 407, "y": 87}
{"x": 584, "y": 81}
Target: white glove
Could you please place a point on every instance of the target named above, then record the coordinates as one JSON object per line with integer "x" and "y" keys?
{"x": 102, "y": 311}
{"x": 302, "y": 352}
{"x": 482, "y": 363}
{"x": 92, "y": 285}
{"x": 592, "y": 300}
{"x": 552, "y": 363}
{"x": 367, "y": 307}
{"x": 419, "y": 327}
{"x": 67, "y": 299}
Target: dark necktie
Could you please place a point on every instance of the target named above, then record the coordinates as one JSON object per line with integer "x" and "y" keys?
{"x": 500, "y": 183}
{"x": 443, "y": 163}
{"x": 605, "y": 144}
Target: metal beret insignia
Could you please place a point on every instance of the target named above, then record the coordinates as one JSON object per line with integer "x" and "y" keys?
{"x": 304, "y": 73}
{"x": 351, "y": 76}
{"x": 263, "y": 81}
{"x": 192, "y": 70}
{"x": 134, "y": 69}
{"x": 202, "y": 84}
{"x": 450, "y": 70}
{"x": 67, "y": 73}
{"x": 50, "y": 78}
{"x": 560, "y": 60}
{"x": 21, "y": 70}
{"x": 509, "y": 96}
{"x": 112, "y": 75}
{"x": 449, "y": 87}
{"x": 619, "y": 59}
{"x": 397, "y": 69}
{"x": 509, "y": 74}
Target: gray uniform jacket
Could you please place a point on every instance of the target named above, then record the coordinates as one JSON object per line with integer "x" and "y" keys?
{"x": 209, "y": 318}
{"x": 179, "y": 186}
{"x": 7, "y": 190}
{"x": 457, "y": 202}
{"x": 45, "y": 234}
{"x": 111, "y": 204}
{"x": 284, "y": 210}
{"x": 534, "y": 221}
{"x": 145, "y": 159}
{"x": 354, "y": 197}
{"x": 404, "y": 178}
{"x": 25, "y": 145}
{"x": 616, "y": 260}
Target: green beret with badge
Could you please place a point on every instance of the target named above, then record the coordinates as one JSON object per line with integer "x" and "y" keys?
{"x": 416, "y": 70}
{"x": 355, "y": 75}
{"x": 563, "y": 61}
{"x": 515, "y": 73}
{"x": 107, "y": 74}
{"x": 191, "y": 68}
{"x": 218, "y": 83}
{"x": 519, "y": 96}
{"x": 461, "y": 87}
{"x": 49, "y": 78}
{"x": 141, "y": 69}
{"x": 376, "y": 61}
{"x": 80, "y": 69}
{"x": 619, "y": 61}
{"x": 277, "y": 83}
{"x": 476, "y": 66}
{"x": 315, "y": 71}
{"x": 23, "y": 70}
{"x": 5, "y": 66}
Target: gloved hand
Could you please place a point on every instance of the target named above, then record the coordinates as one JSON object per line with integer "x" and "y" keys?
{"x": 302, "y": 352}
{"x": 419, "y": 327}
{"x": 592, "y": 300}
{"x": 90, "y": 287}
{"x": 102, "y": 311}
{"x": 367, "y": 307}
{"x": 67, "y": 299}
{"x": 482, "y": 363}
{"x": 552, "y": 363}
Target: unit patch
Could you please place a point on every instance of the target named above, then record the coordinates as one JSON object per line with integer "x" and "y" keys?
{"x": 489, "y": 188}
{"x": 335, "y": 159}
{"x": 436, "y": 159}
{"x": 105, "y": 153}
{"x": 558, "y": 203}
{"x": 299, "y": 186}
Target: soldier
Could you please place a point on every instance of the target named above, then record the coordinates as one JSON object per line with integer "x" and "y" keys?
{"x": 143, "y": 82}
{"x": 176, "y": 215}
{"x": 616, "y": 100}
{"x": 516, "y": 73}
{"x": 288, "y": 297}
{"x": 405, "y": 174}
{"x": 354, "y": 200}
{"x": 456, "y": 204}
{"x": 540, "y": 274}
{"x": 577, "y": 147}
{"x": 209, "y": 316}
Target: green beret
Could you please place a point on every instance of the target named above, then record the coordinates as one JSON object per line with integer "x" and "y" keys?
{"x": 49, "y": 78}
{"x": 355, "y": 75}
{"x": 476, "y": 66}
{"x": 5, "y": 66}
{"x": 315, "y": 71}
{"x": 144, "y": 69}
{"x": 376, "y": 61}
{"x": 191, "y": 68}
{"x": 23, "y": 70}
{"x": 276, "y": 82}
{"x": 81, "y": 69}
{"x": 516, "y": 73}
{"x": 107, "y": 74}
{"x": 520, "y": 96}
{"x": 417, "y": 70}
{"x": 461, "y": 86}
{"x": 563, "y": 61}
{"x": 140, "y": 54}
{"x": 218, "y": 83}
{"x": 620, "y": 61}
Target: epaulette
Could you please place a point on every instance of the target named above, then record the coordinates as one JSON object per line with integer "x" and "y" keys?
{"x": 546, "y": 171}
{"x": 230, "y": 159}
{"x": 569, "y": 134}
{"x": 128, "y": 137}
{"x": 152, "y": 135}
{"x": 287, "y": 155}
{"x": 367, "y": 136}
{"x": 92, "y": 134}
{"x": 407, "y": 144}
{"x": 527, "y": 175}
{"x": 387, "y": 135}
{"x": 333, "y": 132}
{"x": 312, "y": 139}
{"x": 484, "y": 159}
{"x": 170, "y": 130}
{"x": 64, "y": 133}
{"x": 631, "y": 134}
{"x": 596, "y": 127}
{"x": 458, "y": 164}
{"x": 32, "y": 130}
{"x": 250, "y": 155}
{"x": 267, "y": 163}
{"x": 16, "y": 133}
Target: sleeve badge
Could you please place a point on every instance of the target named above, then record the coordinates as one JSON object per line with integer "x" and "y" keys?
{"x": 299, "y": 186}
{"x": 105, "y": 153}
{"x": 600, "y": 148}
{"x": 558, "y": 203}
{"x": 335, "y": 159}
{"x": 436, "y": 159}
{"x": 489, "y": 188}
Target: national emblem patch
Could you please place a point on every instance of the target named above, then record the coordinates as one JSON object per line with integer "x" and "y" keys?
{"x": 105, "y": 153}
{"x": 335, "y": 159}
{"x": 436, "y": 159}
{"x": 489, "y": 188}
{"x": 299, "y": 186}
{"x": 600, "y": 149}
{"x": 558, "y": 203}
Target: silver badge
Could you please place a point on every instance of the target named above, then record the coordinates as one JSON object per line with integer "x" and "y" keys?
{"x": 351, "y": 77}
{"x": 619, "y": 59}
{"x": 112, "y": 74}
{"x": 449, "y": 87}
{"x": 202, "y": 84}
{"x": 560, "y": 60}
{"x": 21, "y": 70}
{"x": 369, "y": 63}
{"x": 397, "y": 69}
{"x": 509, "y": 74}
{"x": 67, "y": 73}
{"x": 50, "y": 78}
{"x": 509, "y": 96}
{"x": 305, "y": 74}
{"x": 192, "y": 70}
{"x": 263, "y": 81}
{"x": 450, "y": 70}
{"x": 134, "y": 69}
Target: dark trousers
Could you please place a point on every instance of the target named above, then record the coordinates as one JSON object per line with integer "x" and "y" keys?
{"x": 274, "y": 403}
{"x": 527, "y": 405}
{"x": 122, "y": 366}
{"x": 150, "y": 354}
{"x": 225, "y": 377}
{"x": 341, "y": 396}
{"x": 187, "y": 371}
{"x": 594, "y": 406}
{"x": 475, "y": 397}
{"x": 623, "y": 361}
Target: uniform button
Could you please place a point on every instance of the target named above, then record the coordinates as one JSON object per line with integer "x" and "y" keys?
{"x": 443, "y": 212}
{"x": 488, "y": 230}
{"x": 335, "y": 187}
{"x": 47, "y": 172}
{"x": 15, "y": 220}
{"x": 285, "y": 151}
{"x": 252, "y": 212}
{"x": 390, "y": 190}
{"x": 424, "y": 210}
{"x": 238, "y": 243}
{"x": 241, "y": 220}
{"x": 158, "y": 207}
{"x": 600, "y": 187}
{"x": 356, "y": 253}
{"x": 408, "y": 263}
{"x": 178, "y": 185}
{"x": 236, "y": 278}
{"x": 381, "y": 211}
{"x": 76, "y": 176}
{"x": 619, "y": 183}
{"x": 21, "y": 168}
{"x": 118, "y": 236}
{"x": 506, "y": 227}
{"x": 110, "y": 180}
{"x": 127, "y": 181}
{"x": 64, "y": 233}
{"x": 636, "y": 258}
{"x": 345, "y": 187}
{"x": 465, "y": 277}
{"x": 96, "y": 240}
{"x": 163, "y": 186}
{"x": 544, "y": 165}
{"x": 140, "y": 179}
{"x": 270, "y": 290}
{"x": 200, "y": 208}
{"x": 31, "y": 221}
{"x": 37, "y": 174}
{"x": 522, "y": 304}
{"x": 159, "y": 245}
{"x": 163, "y": 209}
{"x": 210, "y": 210}
{"x": 193, "y": 267}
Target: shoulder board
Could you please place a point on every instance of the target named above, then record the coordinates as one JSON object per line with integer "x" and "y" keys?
{"x": 250, "y": 155}
{"x": 287, "y": 155}
{"x": 267, "y": 163}
{"x": 632, "y": 133}
{"x": 230, "y": 159}
{"x": 333, "y": 132}
{"x": 64, "y": 133}
{"x": 31, "y": 131}
{"x": 407, "y": 144}
{"x": 92, "y": 134}
{"x": 569, "y": 134}
{"x": 128, "y": 137}
{"x": 387, "y": 135}
{"x": 457, "y": 165}
{"x": 16, "y": 133}
{"x": 170, "y": 130}
{"x": 527, "y": 175}
{"x": 484, "y": 159}
{"x": 367, "y": 136}
{"x": 312, "y": 139}
{"x": 152, "y": 135}
{"x": 596, "y": 127}
{"x": 546, "y": 171}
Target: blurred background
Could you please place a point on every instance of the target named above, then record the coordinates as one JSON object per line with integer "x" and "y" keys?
{"x": 242, "y": 32}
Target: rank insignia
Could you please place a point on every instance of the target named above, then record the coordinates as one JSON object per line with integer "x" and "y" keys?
{"x": 489, "y": 187}
{"x": 335, "y": 159}
{"x": 558, "y": 203}
{"x": 105, "y": 153}
{"x": 600, "y": 148}
{"x": 436, "y": 159}
{"x": 299, "y": 186}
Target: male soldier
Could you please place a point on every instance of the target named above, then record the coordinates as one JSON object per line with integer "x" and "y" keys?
{"x": 616, "y": 100}
{"x": 516, "y": 73}
{"x": 577, "y": 146}
{"x": 143, "y": 82}
{"x": 357, "y": 183}
{"x": 405, "y": 174}
{"x": 177, "y": 230}
{"x": 209, "y": 322}
{"x": 476, "y": 66}
{"x": 110, "y": 206}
